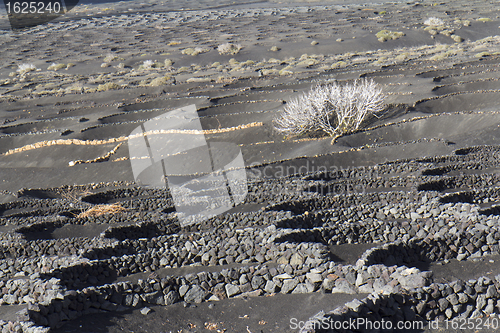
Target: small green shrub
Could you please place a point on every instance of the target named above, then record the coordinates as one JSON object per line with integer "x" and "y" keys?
{"x": 194, "y": 51}
{"x": 385, "y": 35}
{"x": 339, "y": 64}
{"x": 308, "y": 62}
{"x": 110, "y": 58}
{"x": 439, "y": 56}
{"x": 229, "y": 48}
{"x": 482, "y": 54}
{"x": 107, "y": 86}
{"x": 285, "y": 71}
{"x": 270, "y": 71}
{"x": 447, "y": 32}
{"x": 199, "y": 79}
{"x": 55, "y": 66}
{"x": 159, "y": 81}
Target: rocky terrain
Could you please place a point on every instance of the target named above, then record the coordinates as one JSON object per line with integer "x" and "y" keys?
{"x": 397, "y": 222}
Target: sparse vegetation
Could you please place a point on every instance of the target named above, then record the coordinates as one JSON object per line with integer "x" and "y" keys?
{"x": 432, "y": 30}
{"x": 482, "y": 54}
{"x": 194, "y": 51}
{"x": 229, "y": 48}
{"x": 339, "y": 64}
{"x": 25, "y": 68}
{"x": 110, "y": 57}
{"x": 402, "y": 56}
{"x": 332, "y": 108}
{"x": 102, "y": 210}
{"x": 439, "y": 56}
{"x": 75, "y": 88}
{"x": 199, "y": 79}
{"x": 269, "y": 71}
{"x": 447, "y": 32}
{"x": 150, "y": 64}
{"x": 385, "y": 35}
{"x": 434, "y": 21}
{"x": 74, "y": 194}
{"x": 107, "y": 86}
{"x": 147, "y": 64}
{"x": 159, "y": 81}
{"x": 286, "y": 71}
{"x": 308, "y": 62}
{"x": 55, "y": 66}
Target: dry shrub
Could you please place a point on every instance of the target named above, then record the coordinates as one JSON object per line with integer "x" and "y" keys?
{"x": 434, "y": 21}
{"x": 74, "y": 194}
{"x": 101, "y": 210}
{"x": 332, "y": 108}
{"x": 229, "y": 48}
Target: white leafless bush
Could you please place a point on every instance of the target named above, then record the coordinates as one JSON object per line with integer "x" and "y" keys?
{"x": 25, "y": 68}
{"x": 333, "y": 108}
{"x": 434, "y": 21}
{"x": 147, "y": 64}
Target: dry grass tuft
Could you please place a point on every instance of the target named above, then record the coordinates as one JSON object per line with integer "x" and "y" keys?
{"x": 56, "y": 67}
{"x": 74, "y": 194}
{"x": 102, "y": 210}
{"x": 229, "y": 48}
{"x": 107, "y": 86}
{"x": 385, "y": 35}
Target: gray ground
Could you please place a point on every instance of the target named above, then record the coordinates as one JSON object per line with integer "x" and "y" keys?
{"x": 444, "y": 96}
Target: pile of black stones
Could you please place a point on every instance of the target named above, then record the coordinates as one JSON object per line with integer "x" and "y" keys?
{"x": 413, "y": 211}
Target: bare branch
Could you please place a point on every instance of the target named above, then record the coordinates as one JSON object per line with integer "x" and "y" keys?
{"x": 332, "y": 108}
